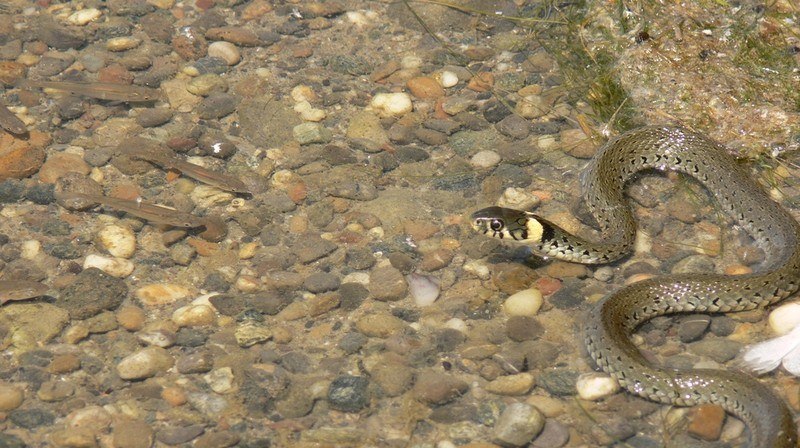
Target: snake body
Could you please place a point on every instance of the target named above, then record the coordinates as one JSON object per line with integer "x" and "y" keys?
{"x": 609, "y": 326}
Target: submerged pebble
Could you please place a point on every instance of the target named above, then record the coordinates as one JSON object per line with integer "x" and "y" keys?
{"x": 423, "y": 288}
{"x": 523, "y": 303}
{"x": 593, "y": 386}
{"x": 518, "y": 425}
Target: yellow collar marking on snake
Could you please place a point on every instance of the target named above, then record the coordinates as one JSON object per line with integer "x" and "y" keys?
{"x": 535, "y": 229}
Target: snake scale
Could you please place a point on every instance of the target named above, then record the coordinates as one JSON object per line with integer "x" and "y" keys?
{"x": 610, "y": 325}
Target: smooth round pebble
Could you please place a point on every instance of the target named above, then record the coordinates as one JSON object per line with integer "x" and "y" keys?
{"x": 131, "y": 318}
{"x": 512, "y": 385}
{"x": 392, "y": 104}
{"x": 485, "y": 159}
{"x": 194, "y": 316}
{"x": 225, "y": 51}
{"x": 518, "y": 425}
{"x": 523, "y": 303}
{"x": 593, "y": 386}
{"x": 145, "y": 363}
{"x": 448, "y": 79}
{"x": 784, "y": 318}
{"x": 119, "y": 241}
{"x": 11, "y": 397}
{"x": 122, "y": 43}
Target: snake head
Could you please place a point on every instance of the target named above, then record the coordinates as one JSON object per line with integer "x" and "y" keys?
{"x": 507, "y": 223}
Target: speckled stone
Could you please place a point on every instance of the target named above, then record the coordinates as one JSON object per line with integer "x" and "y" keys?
{"x": 518, "y": 425}
{"x": 349, "y": 393}
{"x": 559, "y": 382}
{"x": 92, "y": 292}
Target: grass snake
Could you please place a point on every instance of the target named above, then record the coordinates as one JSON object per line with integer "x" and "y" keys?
{"x": 610, "y": 325}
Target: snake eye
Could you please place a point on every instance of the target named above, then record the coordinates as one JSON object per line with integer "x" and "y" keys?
{"x": 496, "y": 225}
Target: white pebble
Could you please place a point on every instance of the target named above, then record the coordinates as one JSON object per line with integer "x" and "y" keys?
{"x": 478, "y": 269}
{"x": 604, "y": 273}
{"x": 411, "y": 62}
{"x": 457, "y": 324}
{"x": 785, "y": 318}
{"x": 220, "y": 380}
{"x": 643, "y": 243}
{"x": 115, "y": 267}
{"x": 302, "y": 92}
{"x": 84, "y": 16}
{"x": 30, "y": 249}
{"x": 448, "y": 79}
{"x": 593, "y": 386}
{"x": 118, "y": 241}
{"x": 392, "y": 104}
{"x": 361, "y": 18}
{"x": 523, "y": 303}
{"x": 194, "y": 316}
{"x": 485, "y": 159}
{"x": 225, "y": 51}
{"x": 309, "y": 113}
{"x": 518, "y": 198}
{"x": 423, "y": 288}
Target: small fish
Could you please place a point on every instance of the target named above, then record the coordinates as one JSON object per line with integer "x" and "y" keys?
{"x": 10, "y": 122}
{"x": 151, "y": 212}
{"x": 11, "y": 290}
{"x": 109, "y": 91}
{"x": 196, "y": 172}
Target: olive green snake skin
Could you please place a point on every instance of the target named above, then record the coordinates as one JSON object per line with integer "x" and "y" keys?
{"x": 609, "y": 326}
